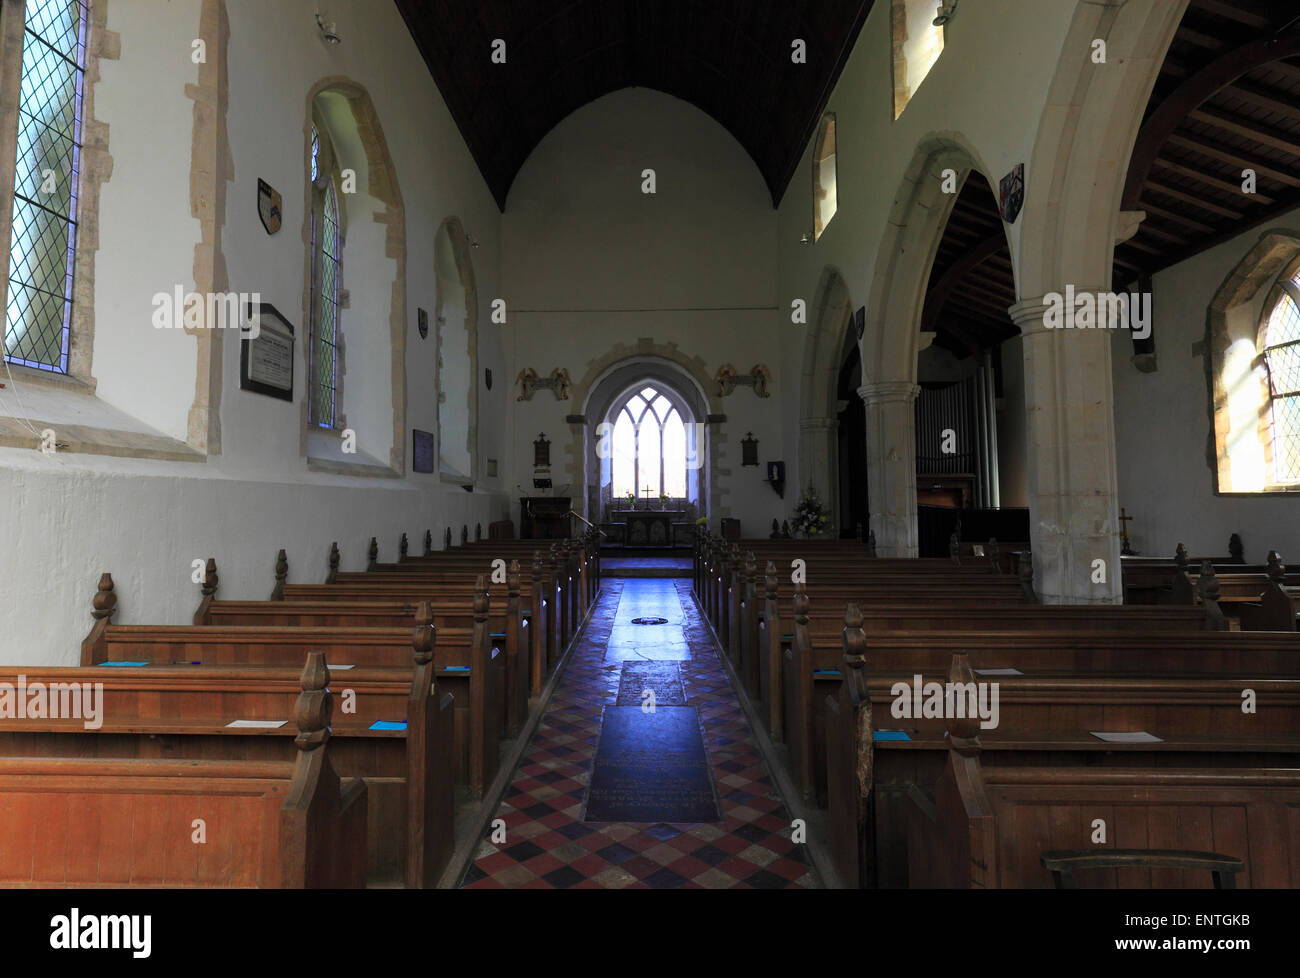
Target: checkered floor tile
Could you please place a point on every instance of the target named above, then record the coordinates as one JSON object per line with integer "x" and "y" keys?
{"x": 547, "y": 846}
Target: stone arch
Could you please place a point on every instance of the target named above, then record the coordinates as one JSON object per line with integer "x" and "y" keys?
{"x": 668, "y": 364}
{"x": 832, "y": 315}
{"x": 451, "y": 243}
{"x": 891, "y": 335}
{"x": 381, "y": 184}
{"x": 1074, "y": 184}
{"x": 1074, "y": 179}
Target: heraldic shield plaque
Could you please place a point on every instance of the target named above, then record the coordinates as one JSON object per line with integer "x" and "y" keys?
{"x": 268, "y": 206}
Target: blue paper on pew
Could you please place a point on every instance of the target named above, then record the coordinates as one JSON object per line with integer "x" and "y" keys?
{"x": 123, "y": 663}
{"x": 496, "y": 635}
{"x": 789, "y": 637}
{"x": 457, "y": 669}
{"x": 889, "y": 735}
{"x": 826, "y": 672}
{"x": 388, "y": 725}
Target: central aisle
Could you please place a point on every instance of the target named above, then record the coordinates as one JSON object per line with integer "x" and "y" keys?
{"x": 692, "y": 758}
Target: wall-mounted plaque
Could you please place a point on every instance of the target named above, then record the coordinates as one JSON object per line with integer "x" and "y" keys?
{"x": 422, "y": 456}
{"x": 266, "y": 353}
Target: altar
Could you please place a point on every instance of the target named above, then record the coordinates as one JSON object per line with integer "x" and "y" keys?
{"x": 648, "y": 527}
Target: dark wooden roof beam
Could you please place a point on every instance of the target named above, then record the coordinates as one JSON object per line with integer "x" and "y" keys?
{"x": 1199, "y": 144}
{"x": 1201, "y": 177}
{"x": 1178, "y": 218}
{"x": 1187, "y": 198}
{"x": 1256, "y": 131}
{"x": 1191, "y": 93}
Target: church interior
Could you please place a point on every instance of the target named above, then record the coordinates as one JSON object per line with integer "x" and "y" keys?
{"x": 612, "y": 444}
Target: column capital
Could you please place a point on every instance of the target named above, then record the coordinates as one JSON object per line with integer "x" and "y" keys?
{"x": 817, "y": 424}
{"x": 889, "y": 392}
{"x": 1028, "y": 313}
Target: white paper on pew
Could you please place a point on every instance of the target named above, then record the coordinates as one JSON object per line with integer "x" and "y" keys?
{"x": 272, "y": 724}
{"x": 1128, "y": 737}
{"x": 998, "y": 672}
{"x": 333, "y": 667}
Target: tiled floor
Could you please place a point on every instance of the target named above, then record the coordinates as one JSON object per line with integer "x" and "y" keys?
{"x": 547, "y": 847}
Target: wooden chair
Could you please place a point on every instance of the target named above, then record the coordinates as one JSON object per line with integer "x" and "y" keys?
{"x": 1062, "y": 863}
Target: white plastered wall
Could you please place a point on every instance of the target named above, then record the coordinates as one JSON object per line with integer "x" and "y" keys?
{"x": 65, "y": 519}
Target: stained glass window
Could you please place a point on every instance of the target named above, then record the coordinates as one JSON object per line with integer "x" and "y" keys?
{"x": 1282, "y": 359}
{"x": 649, "y": 448}
{"x": 325, "y": 340}
{"x": 38, "y": 314}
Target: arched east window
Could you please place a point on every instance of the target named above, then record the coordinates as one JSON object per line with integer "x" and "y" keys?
{"x": 1281, "y": 355}
{"x": 43, "y": 236}
{"x": 327, "y": 251}
{"x": 649, "y": 442}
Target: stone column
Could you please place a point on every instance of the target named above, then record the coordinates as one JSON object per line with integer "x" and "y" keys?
{"x": 891, "y": 465}
{"x": 818, "y": 450}
{"x": 1070, "y": 443}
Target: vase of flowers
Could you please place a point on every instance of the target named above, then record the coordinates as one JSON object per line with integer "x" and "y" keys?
{"x": 810, "y": 515}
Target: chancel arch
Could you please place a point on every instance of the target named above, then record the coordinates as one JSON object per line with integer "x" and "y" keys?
{"x": 645, "y": 424}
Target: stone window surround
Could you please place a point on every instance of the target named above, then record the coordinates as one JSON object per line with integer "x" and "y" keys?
{"x": 1275, "y": 255}
{"x": 382, "y": 186}
{"x": 96, "y": 168}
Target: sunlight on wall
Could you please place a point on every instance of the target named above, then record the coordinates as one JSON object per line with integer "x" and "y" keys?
{"x": 1245, "y": 401}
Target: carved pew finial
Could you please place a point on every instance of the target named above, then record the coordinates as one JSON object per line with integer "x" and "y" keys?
{"x": 871, "y": 543}
{"x": 769, "y": 581}
{"x": 481, "y": 599}
{"x": 1181, "y": 557}
{"x": 312, "y": 711}
{"x": 1207, "y": 589}
{"x": 424, "y": 634}
{"x": 446, "y": 539}
{"x": 373, "y": 554}
{"x": 105, "y": 601}
{"x": 855, "y": 653}
{"x": 210, "y": 579}
{"x": 994, "y": 554}
{"x": 428, "y": 543}
{"x": 281, "y": 575}
{"x": 963, "y": 731}
{"x": 800, "y": 604}
{"x": 1276, "y": 569}
{"x": 785, "y": 529}
{"x": 334, "y": 563}
{"x": 464, "y": 534}
{"x": 93, "y": 648}
{"x": 478, "y": 532}
{"x": 513, "y": 579}
{"x": 1235, "y": 549}
{"x": 1025, "y": 570}
{"x": 857, "y": 532}
{"x": 954, "y": 548}
{"x": 776, "y": 530}
{"x": 402, "y": 548}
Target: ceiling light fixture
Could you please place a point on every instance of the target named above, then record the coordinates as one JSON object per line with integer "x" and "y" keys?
{"x": 328, "y": 30}
{"x": 946, "y": 10}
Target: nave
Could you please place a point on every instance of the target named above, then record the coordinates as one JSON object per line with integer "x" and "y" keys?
{"x": 741, "y": 834}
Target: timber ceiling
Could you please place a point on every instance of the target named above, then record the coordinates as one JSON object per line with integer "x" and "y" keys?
{"x": 1227, "y": 99}
{"x": 971, "y": 282}
{"x": 729, "y": 58}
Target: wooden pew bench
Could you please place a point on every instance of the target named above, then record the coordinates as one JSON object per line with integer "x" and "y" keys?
{"x": 86, "y": 822}
{"x": 465, "y": 664}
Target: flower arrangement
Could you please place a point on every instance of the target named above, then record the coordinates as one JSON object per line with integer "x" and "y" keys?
{"x": 810, "y": 515}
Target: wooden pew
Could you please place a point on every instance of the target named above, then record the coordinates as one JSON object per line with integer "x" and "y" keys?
{"x": 452, "y": 613}
{"x": 80, "y": 822}
{"x": 1259, "y": 655}
{"x": 1045, "y": 718}
{"x": 990, "y": 827}
{"x": 465, "y": 664}
{"x": 544, "y": 623}
{"x": 1278, "y": 605}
